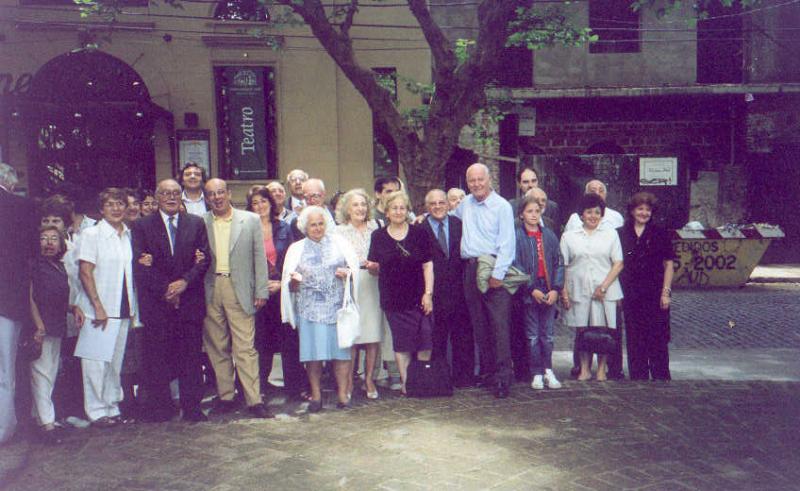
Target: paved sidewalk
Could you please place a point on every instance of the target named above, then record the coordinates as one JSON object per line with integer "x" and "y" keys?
{"x": 602, "y": 436}
{"x": 776, "y": 273}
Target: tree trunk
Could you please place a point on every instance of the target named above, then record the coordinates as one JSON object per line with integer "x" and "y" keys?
{"x": 424, "y": 168}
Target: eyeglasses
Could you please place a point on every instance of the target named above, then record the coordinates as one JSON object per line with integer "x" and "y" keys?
{"x": 170, "y": 194}
{"x": 48, "y": 240}
{"x": 297, "y": 179}
{"x": 313, "y": 196}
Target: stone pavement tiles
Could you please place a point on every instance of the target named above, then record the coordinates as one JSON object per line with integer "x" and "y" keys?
{"x": 626, "y": 435}
{"x": 764, "y": 316}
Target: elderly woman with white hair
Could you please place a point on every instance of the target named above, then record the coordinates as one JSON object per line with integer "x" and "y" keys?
{"x": 354, "y": 214}
{"x": 312, "y": 289}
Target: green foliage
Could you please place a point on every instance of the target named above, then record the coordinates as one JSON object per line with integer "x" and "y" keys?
{"x": 462, "y": 49}
{"x": 537, "y": 28}
{"x": 416, "y": 117}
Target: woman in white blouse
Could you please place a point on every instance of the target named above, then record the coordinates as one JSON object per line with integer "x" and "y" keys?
{"x": 109, "y": 305}
{"x": 355, "y": 216}
{"x": 593, "y": 260}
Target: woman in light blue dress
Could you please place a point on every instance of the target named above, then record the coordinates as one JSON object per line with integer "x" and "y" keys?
{"x": 313, "y": 288}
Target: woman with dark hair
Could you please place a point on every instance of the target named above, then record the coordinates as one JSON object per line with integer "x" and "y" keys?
{"x": 593, "y": 260}
{"x": 272, "y": 336}
{"x": 57, "y": 211}
{"x": 49, "y": 302}
{"x": 148, "y": 204}
{"x": 646, "y": 281}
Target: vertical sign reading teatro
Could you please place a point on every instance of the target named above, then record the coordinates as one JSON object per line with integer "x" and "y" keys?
{"x": 247, "y": 142}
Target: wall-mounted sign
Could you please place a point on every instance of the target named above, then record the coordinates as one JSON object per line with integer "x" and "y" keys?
{"x": 527, "y": 121}
{"x": 247, "y": 131}
{"x": 193, "y": 146}
{"x": 658, "y": 171}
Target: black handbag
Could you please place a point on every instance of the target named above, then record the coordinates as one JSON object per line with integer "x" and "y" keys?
{"x": 428, "y": 379}
{"x": 596, "y": 339}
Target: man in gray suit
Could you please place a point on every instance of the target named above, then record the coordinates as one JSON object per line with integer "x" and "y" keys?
{"x": 236, "y": 287}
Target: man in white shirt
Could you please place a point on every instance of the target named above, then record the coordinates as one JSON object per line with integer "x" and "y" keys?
{"x": 295, "y": 180}
{"x": 612, "y": 219}
{"x": 193, "y": 178}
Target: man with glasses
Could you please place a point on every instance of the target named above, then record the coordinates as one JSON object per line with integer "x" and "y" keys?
{"x": 295, "y": 180}
{"x": 236, "y": 287}
{"x": 450, "y": 319}
{"x": 171, "y": 302}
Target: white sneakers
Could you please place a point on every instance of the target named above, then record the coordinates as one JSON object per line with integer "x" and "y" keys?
{"x": 549, "y": 380}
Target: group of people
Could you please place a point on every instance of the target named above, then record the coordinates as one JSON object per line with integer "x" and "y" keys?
{"x": 167, "y": 291}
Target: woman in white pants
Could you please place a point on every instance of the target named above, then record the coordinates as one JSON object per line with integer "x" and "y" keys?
{"x": 49, "y": 299}
{"x": 109, "y": 304}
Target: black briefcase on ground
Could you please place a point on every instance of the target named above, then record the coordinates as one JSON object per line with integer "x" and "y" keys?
{"x": 428, "y": 379}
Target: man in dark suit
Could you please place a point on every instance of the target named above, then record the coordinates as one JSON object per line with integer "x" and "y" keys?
{"x": 449, "y": 311}
{"x": 171, "y": 302}
{"x": 17, "y": 245}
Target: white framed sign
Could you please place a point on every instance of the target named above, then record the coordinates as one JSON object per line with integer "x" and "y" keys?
{"x": 527, "y": 121}
{"x": 193, "y": 146}
{"x": 658, "y": 171}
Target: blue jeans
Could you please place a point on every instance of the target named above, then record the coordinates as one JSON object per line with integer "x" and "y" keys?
{"x": 9, "y": 337}
{"x": 539, "y": 320}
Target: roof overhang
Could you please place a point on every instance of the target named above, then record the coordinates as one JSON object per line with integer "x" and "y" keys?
{"x": 526, "y": 94}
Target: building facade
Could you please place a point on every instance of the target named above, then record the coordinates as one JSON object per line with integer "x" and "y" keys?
{"x": 90, "y": 103}
{"x": 702, "y": 112}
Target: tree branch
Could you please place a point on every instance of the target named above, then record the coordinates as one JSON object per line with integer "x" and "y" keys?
{"x": 344, "y": 28}
{"x": 339, "y": 46}
{"x": 443, "y": 57}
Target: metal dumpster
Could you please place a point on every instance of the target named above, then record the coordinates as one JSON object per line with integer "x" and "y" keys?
{"x": 723, "y": 257}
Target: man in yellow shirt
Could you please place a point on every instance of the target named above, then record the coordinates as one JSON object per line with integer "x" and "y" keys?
{"x": 236, "y": 287}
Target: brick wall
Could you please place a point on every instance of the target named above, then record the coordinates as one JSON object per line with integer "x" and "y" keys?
{"x": 711, "y": 138}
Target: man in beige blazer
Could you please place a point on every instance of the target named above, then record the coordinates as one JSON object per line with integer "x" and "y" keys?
{"x": 236, "y": 287}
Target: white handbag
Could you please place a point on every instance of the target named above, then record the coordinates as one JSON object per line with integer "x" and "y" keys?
{"x": 348, "y": 327}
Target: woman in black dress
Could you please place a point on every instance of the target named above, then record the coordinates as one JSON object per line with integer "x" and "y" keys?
{"x": 646, "y": 283}
{"x": 405, "y": 281}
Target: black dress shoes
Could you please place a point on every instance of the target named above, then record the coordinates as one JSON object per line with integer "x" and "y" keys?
{"x": 464, "y": 383}
{"x": 260, "y": 411}
{"x": 223, "y": 407}
{"x": 501, "y": 391}
{"x": 196, "y": 416}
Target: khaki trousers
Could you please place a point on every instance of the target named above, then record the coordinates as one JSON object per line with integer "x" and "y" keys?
{"x": 228, "y": 335}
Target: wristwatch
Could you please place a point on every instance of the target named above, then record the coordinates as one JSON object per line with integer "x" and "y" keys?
{"x": 602, "y": 290}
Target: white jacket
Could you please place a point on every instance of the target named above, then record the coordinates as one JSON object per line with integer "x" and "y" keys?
{"x": 292, "y": 260}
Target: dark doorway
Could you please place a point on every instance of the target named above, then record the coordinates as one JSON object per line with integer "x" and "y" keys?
{"x": 90, "y": 124}
{"x": 774, "y": 191}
